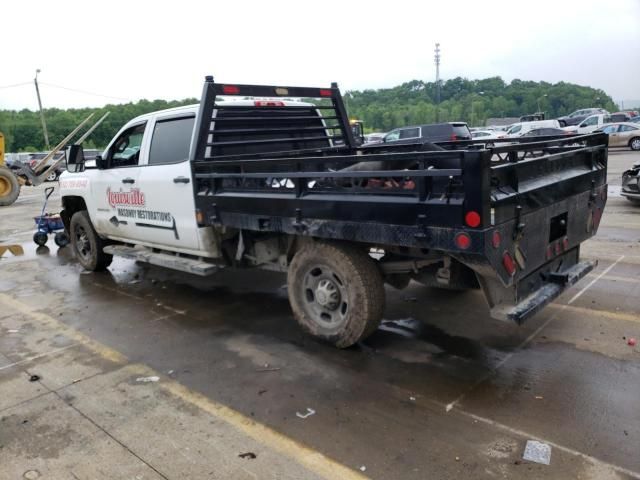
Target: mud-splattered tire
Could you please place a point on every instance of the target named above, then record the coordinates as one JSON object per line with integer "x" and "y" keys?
{"x": 9, "y": 187}
{"x": 86, "y": 243}
{"x": 336, "y": 292}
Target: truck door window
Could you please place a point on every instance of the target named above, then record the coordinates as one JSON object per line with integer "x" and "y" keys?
{"x": 171, "y": 140}
{"x": 125, "y": 151}
{"x": 590, "y": 121}
{"x": 406, "y": 133}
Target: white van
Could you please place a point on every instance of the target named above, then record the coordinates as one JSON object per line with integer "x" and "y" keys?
{"x": 520, "y": 128}
{"x": 590, "y": 124}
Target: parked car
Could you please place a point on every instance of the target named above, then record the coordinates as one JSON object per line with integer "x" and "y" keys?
{"x": 520, "y": 128}
{"x": 631, "y": 185}
{"x": 35, "y": 158}
{"x": 374, "y": 137}
{"x": 436, "y": 132}
{"x": 578, "y": 116}
{"x": 620, "y": 117}
{"x": 634, "y": 120}
{"x": 544, "y": 132}
{"x": 534, "y": 117}
{"x": 625, "y": 134}
{"x": 487, "y": 135}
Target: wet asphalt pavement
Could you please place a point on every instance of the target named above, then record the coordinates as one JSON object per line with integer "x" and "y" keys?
{"x": 439, "y": 391}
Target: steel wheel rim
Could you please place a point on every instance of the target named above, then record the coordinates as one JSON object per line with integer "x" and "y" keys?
{"x": 83, "y": 245}
{"x": 5, "y": 186}
{"x": 325, "y": 297}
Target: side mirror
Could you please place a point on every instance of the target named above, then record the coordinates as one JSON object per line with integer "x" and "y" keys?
{"x": 75, "y": 159}
{"x": 101, "y": 163}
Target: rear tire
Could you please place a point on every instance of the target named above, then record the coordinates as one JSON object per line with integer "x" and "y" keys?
{"x": 9, "y": 187}
{"x": 86, "y": 243}
{"x": 336, "y": 292}
{"x": 634, "y": 143}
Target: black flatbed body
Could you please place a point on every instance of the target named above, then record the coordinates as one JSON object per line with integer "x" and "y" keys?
{"x": 289, "y": 173}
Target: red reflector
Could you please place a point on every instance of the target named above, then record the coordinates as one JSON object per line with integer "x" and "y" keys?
{"x": 454, "y": 138}
{"x": 558, "y": 249}
{"x": 463, "y": 241}
{"x": 472, "y": 219}
{"x": 565, "y": 243}
{"x": 496, "y": 239}
{"x": 268, "y": 103}
{"x": 325, "y": 93}
{"x": 230, "y": 89}
{"x": 508, "y": 263}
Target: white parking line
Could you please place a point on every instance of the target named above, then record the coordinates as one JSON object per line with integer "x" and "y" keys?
{"x": 40, "y": 355}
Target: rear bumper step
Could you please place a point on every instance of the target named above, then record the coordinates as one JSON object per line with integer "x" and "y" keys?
{"x": 174, "y": 262}
{"x": 556, "y": 283}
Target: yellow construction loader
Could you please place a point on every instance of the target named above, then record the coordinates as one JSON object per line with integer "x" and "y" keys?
{"x": 9, "y": 183}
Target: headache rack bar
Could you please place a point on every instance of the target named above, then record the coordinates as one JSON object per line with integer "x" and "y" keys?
{"x": 271, "y": 126}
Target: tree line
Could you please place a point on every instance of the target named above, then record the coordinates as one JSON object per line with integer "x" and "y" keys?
{"x": 414, "y": 102}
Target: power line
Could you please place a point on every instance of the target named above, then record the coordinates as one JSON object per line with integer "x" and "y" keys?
{"x": 85, "y": 92}
{"x": 15, "y": 85}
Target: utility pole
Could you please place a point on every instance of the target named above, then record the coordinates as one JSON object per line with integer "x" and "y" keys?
{"x": 437, "y": 60}
{"x": 44, "y": 123}
{"x": 538, "y": 101}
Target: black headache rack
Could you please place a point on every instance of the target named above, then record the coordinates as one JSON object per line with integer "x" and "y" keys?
{"x": 542, "y": 198}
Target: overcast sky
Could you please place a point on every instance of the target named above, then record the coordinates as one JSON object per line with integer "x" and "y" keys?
{"x": 151, "y": 49}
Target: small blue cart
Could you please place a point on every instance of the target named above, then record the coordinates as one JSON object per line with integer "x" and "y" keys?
{"x": 48, "y": 223}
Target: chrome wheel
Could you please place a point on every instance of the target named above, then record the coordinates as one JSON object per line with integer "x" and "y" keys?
{"x": 52, "y": 177}
{"x": 83, "y": 244}
{"x": 635, "y": 144}
{"x": 325, "y": 297}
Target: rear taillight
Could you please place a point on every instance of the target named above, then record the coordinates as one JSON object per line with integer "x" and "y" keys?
{"x": 472, "y": 219}
{"x": 454, "y": 137}
{"x": 463, "y": 241}
{"x": 268, "y": 103}
{"x": 230, "y": 89}
{"x": 325, "y": 93}
{"x": 508, "y": 264}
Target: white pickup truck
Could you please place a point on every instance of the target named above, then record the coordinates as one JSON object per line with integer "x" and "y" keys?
{"x": 270, "y": 182}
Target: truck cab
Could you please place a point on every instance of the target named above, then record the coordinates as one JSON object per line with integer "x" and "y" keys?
{"x": 141, "y": 189}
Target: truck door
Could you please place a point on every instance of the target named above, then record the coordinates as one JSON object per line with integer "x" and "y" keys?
{"x": 115, "y": 188}
{"x": 168, "y": 218}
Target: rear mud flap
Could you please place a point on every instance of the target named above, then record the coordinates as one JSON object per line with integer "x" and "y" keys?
{"x": 555, "y": 283}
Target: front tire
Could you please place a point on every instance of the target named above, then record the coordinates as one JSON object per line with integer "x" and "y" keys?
{"x": 86, "y": 243}
{"x": 9, "y": 187}
{"x": 634, "y": 143}
{"x": 336, "y": 292}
